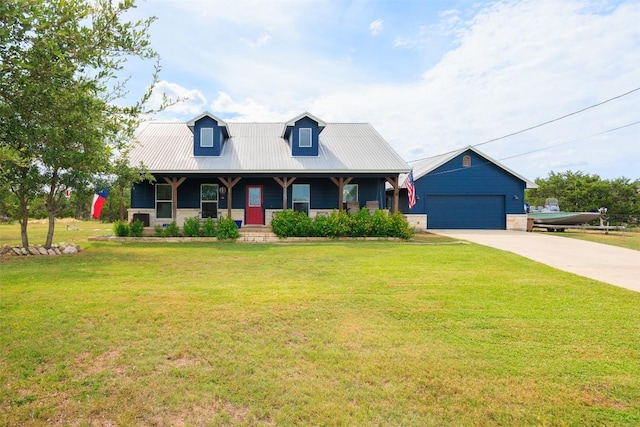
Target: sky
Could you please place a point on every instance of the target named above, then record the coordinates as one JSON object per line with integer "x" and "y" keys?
{"x": 431, "y": 76}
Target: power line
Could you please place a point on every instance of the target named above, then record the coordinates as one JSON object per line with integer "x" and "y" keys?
{"x": 559, "y": 118}
{"x": 548, "y": 122}
{"x": 540, "y": 149}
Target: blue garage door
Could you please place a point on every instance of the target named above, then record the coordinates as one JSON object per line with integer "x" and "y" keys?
{"x": 466, "y": 212}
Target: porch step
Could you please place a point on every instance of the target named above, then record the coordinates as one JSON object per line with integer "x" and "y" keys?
{"x": 256, "y": 234}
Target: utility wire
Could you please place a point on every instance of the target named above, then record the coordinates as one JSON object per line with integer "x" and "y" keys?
{"x": 559, "y": 118}
{"x": 540, "y": 149}
{"x": 549, "y": 121}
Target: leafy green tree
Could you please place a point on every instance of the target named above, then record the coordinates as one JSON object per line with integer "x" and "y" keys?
{"x": 578, "y": 191}
{"x": 59, "y": 122}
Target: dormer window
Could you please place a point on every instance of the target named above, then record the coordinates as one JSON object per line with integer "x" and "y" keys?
{"x": 206, "y": 137}
{"x": 305, "y": 137}
{"x": 209, "y": 135}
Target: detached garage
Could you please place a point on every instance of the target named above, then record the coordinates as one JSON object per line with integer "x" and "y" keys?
{"x": 466, "y": 189}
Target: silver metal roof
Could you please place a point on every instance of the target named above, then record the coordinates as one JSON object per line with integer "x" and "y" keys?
{"x": 345, "y": 148}
{"x": 424, "y": 166}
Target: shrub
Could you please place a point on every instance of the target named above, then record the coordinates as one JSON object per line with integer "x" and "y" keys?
{"x": 171, "y": 230}
{"x": 191, "y": 227}
{"x": 290, "y": 223}
{"x": 360, "y": 223}
{"x": 320, "y": 226}
{"x": 136, "y": 228}
{"x": 379, "y": 223}
{"x": 158, "y": 231}
{"x": 339, "y": 224}
{"x": 227, "y": 228}
{"x": 208, "y": 228}
{"x": 399, "y": 227}
{"x": 283, "y": 223}
{"x": 121, "y": 229}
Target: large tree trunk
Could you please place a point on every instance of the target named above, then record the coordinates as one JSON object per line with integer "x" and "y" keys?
{"x": 52, "y": 226}
{"x": 24, "y": 220}
{"x": 51, "y": 209}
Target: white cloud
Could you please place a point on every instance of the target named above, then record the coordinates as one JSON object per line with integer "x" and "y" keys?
{"x": 376, "y": 26}
{"x": 499, "y": 69}
{"x": 190, "y": 102}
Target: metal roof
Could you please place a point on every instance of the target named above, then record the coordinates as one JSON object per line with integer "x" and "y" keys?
{"x": 344, "y": 148}
{"x": 424, "y": 166}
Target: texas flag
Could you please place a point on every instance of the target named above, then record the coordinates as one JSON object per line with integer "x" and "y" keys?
{"x": 98, "y": 203}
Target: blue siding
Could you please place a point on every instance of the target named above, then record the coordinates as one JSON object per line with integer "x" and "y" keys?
{"x": 143, "y": 196}
{"x": 296, "y": 150}
{"x": 218, "y": 138}
{"x": 481, "y": 184}
{"x": 324, "y": 193}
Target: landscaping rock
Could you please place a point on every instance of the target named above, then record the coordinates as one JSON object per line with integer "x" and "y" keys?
{"x": 69, "y": 250}
{"x": 59, "y": 249}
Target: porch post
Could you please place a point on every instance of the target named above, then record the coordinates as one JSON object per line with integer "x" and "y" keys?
{"x": 340, "y": 182}
{"x": 175, "y": 183}
{"x": 284, "y": 183}
{"x": 395, "y": 183}
{"x": 229, "y": 183}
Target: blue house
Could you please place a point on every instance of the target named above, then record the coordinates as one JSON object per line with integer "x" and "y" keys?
{"x": 465, "y": 189}
{"x": 208, "y": 168}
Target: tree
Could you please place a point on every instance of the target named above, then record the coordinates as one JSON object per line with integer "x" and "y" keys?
{"x": 59, "y": 125}
{"x": 578, "y": 191}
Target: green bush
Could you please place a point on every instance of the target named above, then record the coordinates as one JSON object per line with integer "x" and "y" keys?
{"x": 208, "y": 228}
{"x": 339, "y": 224}
{"x": 379, "y": 223}
{"x": 321, "y": 226}
{"x": 121, "y": 229}
{"x": 227, "y": 228}
{"x": 289, "y": 223}
{"x": 158, "y": 231}
{"x": 360, "y": 223}
{"x": 171, "y": 230}
{"x": 283, "y": 223}
{"x": 399, "y": 227}
{"x": 136, "y": 228}
{"x": 191, "y": 227}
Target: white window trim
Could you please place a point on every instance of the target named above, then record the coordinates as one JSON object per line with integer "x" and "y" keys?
{"x": 208, "y": 139}
{"x": 209, "y": 201}
{"x": 170, "y": 201}
{"x": 310, "y": 137}
{"x": 294, "y": 202}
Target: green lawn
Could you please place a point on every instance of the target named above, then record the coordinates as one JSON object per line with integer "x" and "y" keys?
{"x": 337, "y": 333}
{"x": 629, "y": 238}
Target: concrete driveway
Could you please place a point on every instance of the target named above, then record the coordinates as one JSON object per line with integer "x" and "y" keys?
{"x": 609, "y": 264}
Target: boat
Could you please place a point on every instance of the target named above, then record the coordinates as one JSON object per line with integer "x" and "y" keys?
{"x": 550, "y": 214}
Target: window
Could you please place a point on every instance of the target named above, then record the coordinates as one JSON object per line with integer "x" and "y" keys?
{"x": 350, "y": 193}
{"x": 206, "y": 137}
{"x": 301, "y": 197}
{"x": 164, "y": 204}
{"x": 304, "y": 135}
{"x": 209, "y": 200}
{"x": 466, "y": 161}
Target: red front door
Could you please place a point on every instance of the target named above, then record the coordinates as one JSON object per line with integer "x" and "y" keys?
{"x": 255, "y": 213}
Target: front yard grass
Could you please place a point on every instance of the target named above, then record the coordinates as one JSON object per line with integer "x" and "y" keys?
{"x": 629, "y": 238}
{"x": 336, "y": 333}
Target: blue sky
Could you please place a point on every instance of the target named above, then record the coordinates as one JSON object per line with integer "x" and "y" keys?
{"x": 431, "y": 76}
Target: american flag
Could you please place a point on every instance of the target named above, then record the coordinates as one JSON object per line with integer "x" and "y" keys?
{"x": 411, "y": 189}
